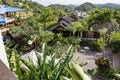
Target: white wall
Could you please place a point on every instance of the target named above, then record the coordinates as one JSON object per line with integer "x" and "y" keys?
{"x": 3, "y": 56}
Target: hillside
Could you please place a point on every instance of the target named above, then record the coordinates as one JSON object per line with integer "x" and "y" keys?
{"x": 60, "y": 7}
{"x": 72, "y": 6}
{"x": 85, "y": 7}
{"x": 108, "y": 5}
{"x": 26, "y": 4}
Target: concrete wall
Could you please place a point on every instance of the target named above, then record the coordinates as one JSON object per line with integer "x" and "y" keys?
{"x": 3, "y": 56}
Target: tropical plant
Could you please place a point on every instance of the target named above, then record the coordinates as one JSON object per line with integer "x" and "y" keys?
{"x": 114, "y": 36}
{"x": 102, "y": 18}
{"x": 46, "y": 16}
{"x": 115, "y": 42}
{"x": 59, "y": 13}
{"x": 75, "y": 26}
{"x": 76, "y": 72}
{"x": 105, "y": 70}
{"x": 115, "y": 45}
{"x": 46, "y": 68}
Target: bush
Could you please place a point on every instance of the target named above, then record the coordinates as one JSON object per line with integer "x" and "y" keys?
{"x": 105, "y": 70}
{"x": 74, "y": 40}
{"x": 94, "y": 45}
{"x": 115, "y": 45}
{"x": 98, "y": 44}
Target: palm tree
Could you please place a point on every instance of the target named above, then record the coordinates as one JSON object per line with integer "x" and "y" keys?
{"x": 75, "y": 26}
{"x": 102, "y": 19}
{"x": 46, "y": 16}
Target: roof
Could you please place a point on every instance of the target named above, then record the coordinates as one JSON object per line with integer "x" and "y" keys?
{"x": 6, "y": 8}
{"x": 2, "y": 10}
{"x": 67, "y": 18}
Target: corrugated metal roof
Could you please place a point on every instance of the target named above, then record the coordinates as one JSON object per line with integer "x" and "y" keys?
{"x": 6, "y": 8}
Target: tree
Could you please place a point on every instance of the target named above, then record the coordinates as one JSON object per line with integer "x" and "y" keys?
{"x": 102, "y": 19}
{"x": 8, "y": 2}
{"x": 60, "y": 13}
{"x": 75, "y": 26}
{"x": 46, "y": 16}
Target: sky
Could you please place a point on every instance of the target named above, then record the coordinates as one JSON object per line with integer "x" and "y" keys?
{"x": 76, "y": 2}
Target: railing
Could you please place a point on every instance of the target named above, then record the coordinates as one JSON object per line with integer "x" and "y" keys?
{"x": 8, "y": 20}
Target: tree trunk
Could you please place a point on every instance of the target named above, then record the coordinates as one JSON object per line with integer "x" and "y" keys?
{"x": 44, "y": 26}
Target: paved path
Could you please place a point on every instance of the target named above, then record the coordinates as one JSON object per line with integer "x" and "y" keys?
{"x": 116, "y": 61}
{"x": 90, "y": 57}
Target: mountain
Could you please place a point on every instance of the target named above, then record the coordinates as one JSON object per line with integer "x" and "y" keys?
{"x": 108, "y": 5}
{"x": 85, "y": 7}
{"x": 72, "y": 6}
{"x": 60, "y": 7}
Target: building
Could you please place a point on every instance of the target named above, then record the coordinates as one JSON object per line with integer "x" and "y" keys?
{"x": 12, "y": 14}
{"x": 65, "y": 21}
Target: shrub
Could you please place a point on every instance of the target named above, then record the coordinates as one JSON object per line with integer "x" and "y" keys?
{"x": 105, "y": 70}
{"x": 115, "y": 45}
{"x": 74, "y": 40}
{"x": 94, "y": 45}
{"x": 98, "y": 44}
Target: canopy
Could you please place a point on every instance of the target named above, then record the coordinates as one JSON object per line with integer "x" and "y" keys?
{"x": 6, "y": 8}
{"x": 2, "y": 20}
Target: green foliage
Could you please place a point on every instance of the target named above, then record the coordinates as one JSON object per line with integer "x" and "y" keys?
{"x": 115, "y": 45}
{"x": 114, "y": 36}
{"x": 104, "y": 18}
{"x": 27, "y": 7}
{"x": 74, "y": 40}
{"x": 93, "y": 45}
{"x": 105, "y": 70}
{"x": 45, "y": 36}
{"x": 75, "y": 26}
{"x": 60, "y": 7}
{"x": 99, "y": 44}
{"x": 59, "y": 13}
{"x": 85, "y": 7}
{"x": 10, "y": 2}
{"x": 115, "y": 42}
{"x": 46, "y": 16}
{"x": 47, "y": 69}
{"x": 76, "y": 72}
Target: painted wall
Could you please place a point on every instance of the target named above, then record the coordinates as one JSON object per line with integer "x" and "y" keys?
{"x": 3, "y": 56}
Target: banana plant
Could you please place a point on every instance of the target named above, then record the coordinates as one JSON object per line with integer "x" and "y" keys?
{"x": 76, "y": 72}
